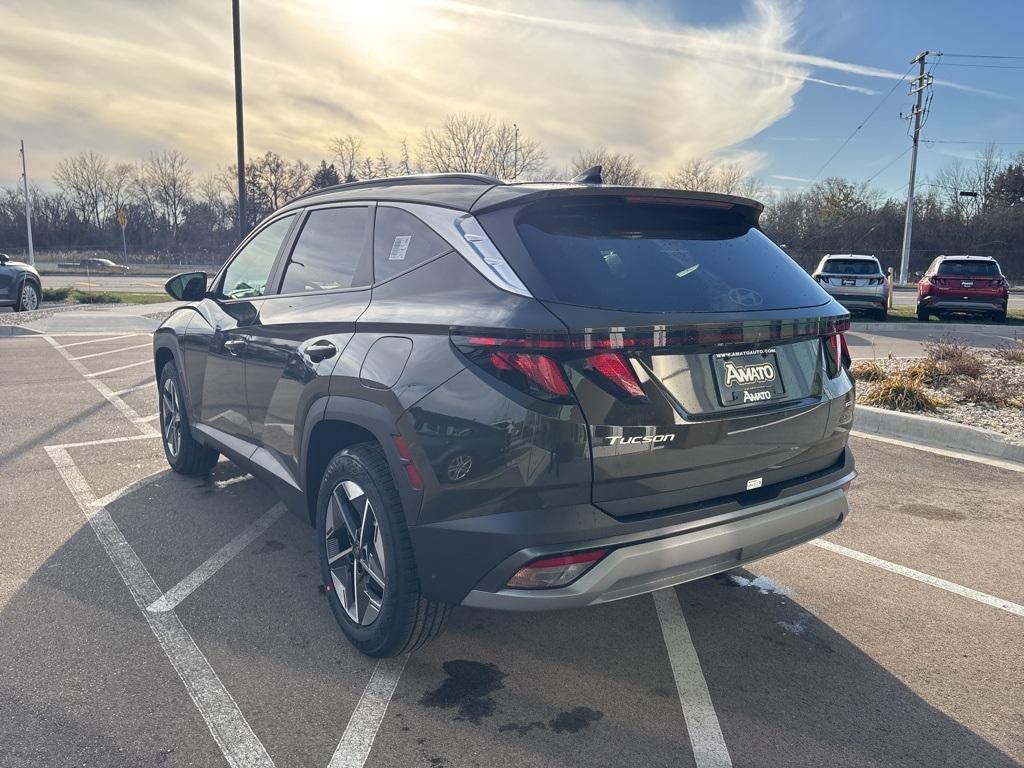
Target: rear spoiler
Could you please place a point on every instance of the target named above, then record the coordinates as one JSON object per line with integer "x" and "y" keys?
{"x": 513, "y": 194}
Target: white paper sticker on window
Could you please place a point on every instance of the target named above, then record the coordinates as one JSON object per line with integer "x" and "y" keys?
{"x": 399, "y": 248}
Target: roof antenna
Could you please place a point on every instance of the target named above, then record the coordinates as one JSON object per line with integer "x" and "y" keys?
{"x": 590, "y": 176}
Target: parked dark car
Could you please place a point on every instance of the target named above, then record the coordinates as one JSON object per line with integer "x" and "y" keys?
{"x": 20, "y": 286}
{"x": 649, "y": 391}
{"x": 971, "y": 285}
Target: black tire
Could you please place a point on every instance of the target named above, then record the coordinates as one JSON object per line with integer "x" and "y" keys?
{"x": 191, "y": 457}
{"x": 922, "y": 315}
{"x": 999, "y": 317}
{"x": 881, "y": 315}
{"x": 23, "y": 305}
{"x": 405, "y": 619}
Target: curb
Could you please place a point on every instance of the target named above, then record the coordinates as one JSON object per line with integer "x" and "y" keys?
{"x": 936, "y": 433}
{"x": 18, "y": 330}
{"x": 937, "y": 327}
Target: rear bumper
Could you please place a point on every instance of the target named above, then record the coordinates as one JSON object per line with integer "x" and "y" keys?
{"x": 960, "y": 304}
{"x": 864, "y": 298}
{"x": 712, "y": 545}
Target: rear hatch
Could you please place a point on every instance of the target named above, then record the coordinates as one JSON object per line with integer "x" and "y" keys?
{"x": 976, "y": 276}
{"x": 701, "y": 355}
{"x": 843, "y": 274}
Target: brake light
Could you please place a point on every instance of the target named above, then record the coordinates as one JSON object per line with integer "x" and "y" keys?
{"x": 839, "y": 354}
{"x": 540, "y": 370}
{"x": 557, "y": 571}
{"x": 615, "y": 369}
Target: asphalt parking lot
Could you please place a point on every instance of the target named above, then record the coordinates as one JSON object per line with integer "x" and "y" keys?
{"x": 151, "y": 619}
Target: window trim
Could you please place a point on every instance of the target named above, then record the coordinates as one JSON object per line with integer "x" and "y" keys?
{"x": 362, "y": 268}
{"x": 286, "y": 243}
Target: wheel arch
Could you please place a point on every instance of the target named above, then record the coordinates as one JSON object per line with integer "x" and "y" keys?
{"x": 344, "y": 422}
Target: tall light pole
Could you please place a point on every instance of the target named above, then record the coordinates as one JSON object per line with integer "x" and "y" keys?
{"x": 28, "y": 206}
{"x": 920, "y": 85}
{"x": 238, "y": 118}
{"x": 515, "y": 153}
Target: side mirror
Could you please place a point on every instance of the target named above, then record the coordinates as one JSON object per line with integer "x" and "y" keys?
{"x": 4, "y": 258}
{"x": 188, "y": 286}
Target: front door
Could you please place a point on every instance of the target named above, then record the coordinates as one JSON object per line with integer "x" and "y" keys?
{"x": 222, "y": 334}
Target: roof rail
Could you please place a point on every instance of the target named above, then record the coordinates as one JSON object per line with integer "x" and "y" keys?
{"x": 411, "y": 179}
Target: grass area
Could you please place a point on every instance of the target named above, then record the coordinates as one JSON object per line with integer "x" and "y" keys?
{"x": 902, "y": 314}
{"x": 75, "y": 296}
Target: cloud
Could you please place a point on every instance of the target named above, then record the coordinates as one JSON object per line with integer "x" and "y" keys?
{"x": 780, "y": 177}
{"x": 124, "y": 78}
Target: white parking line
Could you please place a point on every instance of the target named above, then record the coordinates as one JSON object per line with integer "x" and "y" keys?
{"x": 231, "y": 731}
{"x": 111, "y": 351}
{"x": 107, "y": 440}
{"x": 113, "y": 496}
{"x": 152, "y": 417}
{"x": 170, "y": 599}
{"x": 109, "y": 337}
{"x": 136, "y": 388}
{"x": 115, "y": 400}
{"x": 910, "y": 573}
{"x": 119, "y": 368}
{"x": 709, "y": 749}
{"x": 1010, "y": 465}
{"x": 357, "y": 741}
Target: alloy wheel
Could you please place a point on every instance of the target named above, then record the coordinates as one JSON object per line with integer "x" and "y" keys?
{"x": 459, "y": 467}
{"x": 29, "y": 297}
{"x": 170, "y": 417}
{"x": 355, "y": 552}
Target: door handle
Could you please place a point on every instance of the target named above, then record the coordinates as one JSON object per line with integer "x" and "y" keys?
{"x": 320, "y": 350}
{"x": 234, "y": 346}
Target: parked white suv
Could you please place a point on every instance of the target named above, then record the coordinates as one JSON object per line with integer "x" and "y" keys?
{"x": 855, "y": 281}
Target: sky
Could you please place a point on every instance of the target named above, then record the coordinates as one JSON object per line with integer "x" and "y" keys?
{"x": 777, "y": 85}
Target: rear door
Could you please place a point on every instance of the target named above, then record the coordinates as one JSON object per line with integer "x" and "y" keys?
{"x": 303, "y": 328}
{"x": 702, "y": 365}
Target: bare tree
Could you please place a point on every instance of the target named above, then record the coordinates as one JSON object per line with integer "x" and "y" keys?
{"x": 384, "y": 167}
{"x": 167, "y": 181}
{"x": 367, "y": 168}
{"x": 466, "y": 143}
{"x": 404, "y": 164}
{"x": 616, "y": 168}
{"x": 703, "y": 175}
{"x": 84, "y": 179}
{"x": 346, "y": 150}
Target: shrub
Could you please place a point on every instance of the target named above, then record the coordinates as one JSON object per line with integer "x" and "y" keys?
{"x": 98, "y": 298}
{"x": 902, "y": 391}
{"x": 867, "y": 370}
{"x": 952, "y": 357}
{"x": 56, "y": 294}
{"x": 991, "y": 391}
{"x": 1011, "y": 352}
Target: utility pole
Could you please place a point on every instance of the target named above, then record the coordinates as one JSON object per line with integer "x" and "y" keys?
{"x": 515, "y": 153}
{"x": 238, "y": 118}
{"x": 28, "y": 206}
{"x": 918, "y": 85}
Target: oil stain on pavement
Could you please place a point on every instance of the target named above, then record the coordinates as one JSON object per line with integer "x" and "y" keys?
{"x": 468, "y": 687}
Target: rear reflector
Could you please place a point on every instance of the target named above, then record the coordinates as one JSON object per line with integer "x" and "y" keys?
{"x": 405, "y": 455}
{"x": 557, "y": 571}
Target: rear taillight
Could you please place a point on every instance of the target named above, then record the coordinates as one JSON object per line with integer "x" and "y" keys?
{"x": 405, "y": 455}
{"x": 613, "y": 370}
{"x": 838, "y": 354}
{"x": 541, "y": 371}
{"x": 523, "y": 363}
{"x": 557, "y": 571}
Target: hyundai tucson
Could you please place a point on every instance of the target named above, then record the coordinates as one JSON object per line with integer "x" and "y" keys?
{"x": 857, "y": 282}
{"x": 514, "y": 396}
{"x": 963, "y": 284}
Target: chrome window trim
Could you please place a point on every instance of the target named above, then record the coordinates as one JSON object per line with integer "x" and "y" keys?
{"x": 463, "y": 232}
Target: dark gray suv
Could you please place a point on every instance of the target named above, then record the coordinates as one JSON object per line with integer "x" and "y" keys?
{"x": 20, "y": 286}
{"x": 514, "y": 396}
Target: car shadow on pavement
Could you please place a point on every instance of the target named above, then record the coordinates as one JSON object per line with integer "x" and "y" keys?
{"x": 591, "y": 685}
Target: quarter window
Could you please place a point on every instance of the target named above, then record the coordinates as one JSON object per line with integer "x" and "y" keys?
{"x": 327, "y": 254}
{"x": 246, "y": 277}
{"x": 401, "y": 241}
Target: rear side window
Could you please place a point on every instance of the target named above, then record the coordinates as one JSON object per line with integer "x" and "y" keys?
{"x": 851, "y": 267}
{"x": 327, "y": 254}
{"x": 401, "y": 241}
{"x": 643, "y": 256}
{"x": 967, "y": 268}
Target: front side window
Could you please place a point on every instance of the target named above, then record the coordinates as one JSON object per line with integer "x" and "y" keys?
{"x": 401, "y": 241}
{"x": 327, "y": 254}
{"x": 246, "y": 277}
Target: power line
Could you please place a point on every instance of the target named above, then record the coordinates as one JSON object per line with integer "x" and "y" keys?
{"x": 985, "y": 66}
{"x": 855, "y": 130}
{"x": 952, "y": 141}
{"x": 979, "y": 56}
{"x": 888, "y": 165}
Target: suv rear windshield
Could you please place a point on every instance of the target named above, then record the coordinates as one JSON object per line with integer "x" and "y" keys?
{"x": 661, "y": 255}
{"x": 968, "y": 269}
{"x": 851, "y": 267}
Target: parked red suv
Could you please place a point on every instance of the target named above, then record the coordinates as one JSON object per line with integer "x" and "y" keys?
{"x": 968, "y": 284}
